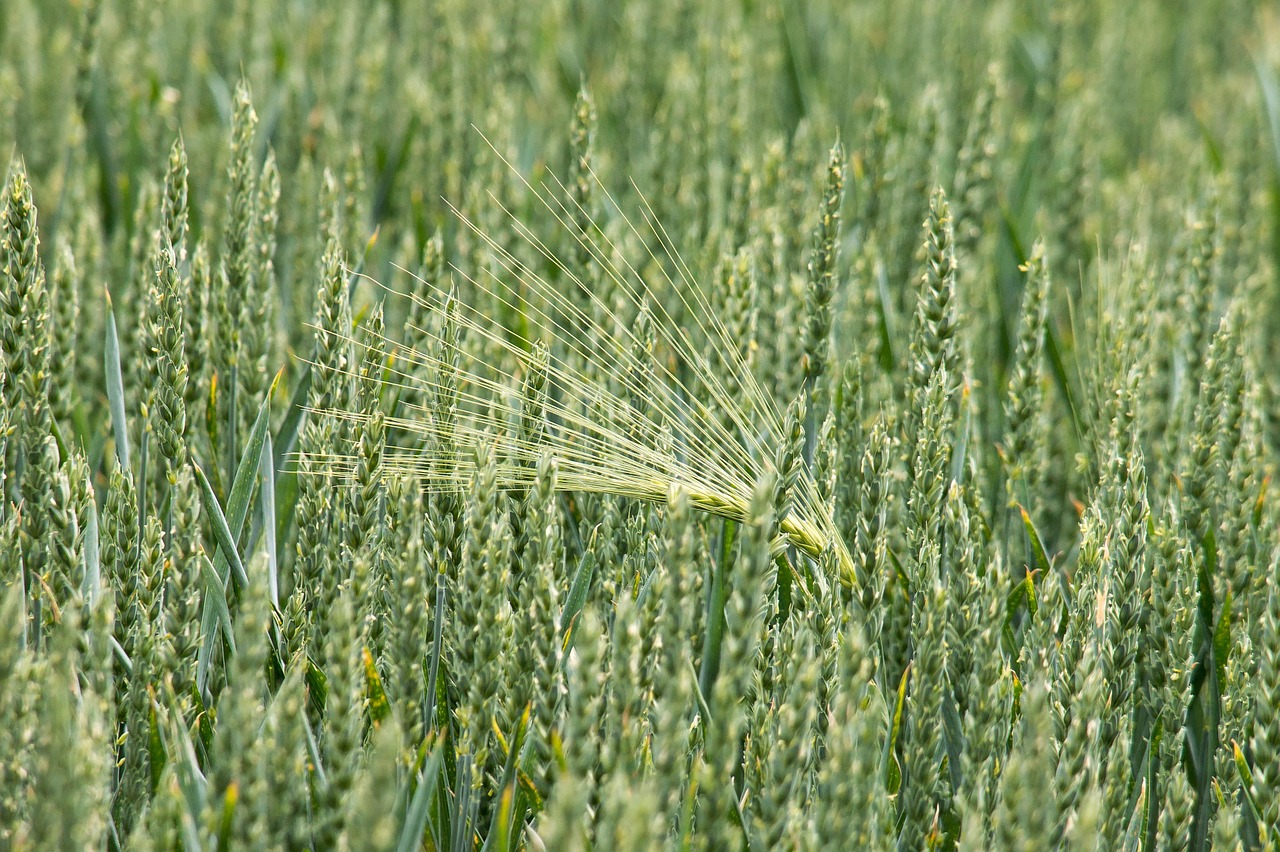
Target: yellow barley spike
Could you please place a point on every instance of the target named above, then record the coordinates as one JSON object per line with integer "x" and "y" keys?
{"x": 725, "y": 425}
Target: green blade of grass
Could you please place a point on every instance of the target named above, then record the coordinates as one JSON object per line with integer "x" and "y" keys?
{"x": 92, "y": 587}
{"x": 961, "y": 451}
{"x": 313, "y": 753}
{"x": 211, "y": 429}
{"x": 1037, "y": 548}
{"x": 120, "y": 654}
{"x": 237, "y": 508}
{"x": 285, "y": 479}
{"x": 287, "y": 434}
{"x": 221, "y": 531}
{"x": 891, "y": 769}
{"x": 376, "y": 703}
{"x": 1061, "y": 379}
{"x": 577, "y": 598}
{"x": 242, "y": 487}
{"x": 437, "y": 648}
{"x": 216, "y": 599}
{"x": 115, "y": 388}
{"x": 267, "y": 472}
{"x": 415, "y": 819}
{"x": 501, "y": 835}
{"x": 714, "y": 636}
{"x": 1248, "y": 789}
{"x": 180, "y": 751}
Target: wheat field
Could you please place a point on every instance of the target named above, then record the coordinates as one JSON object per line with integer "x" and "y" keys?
{"x": 702, "y": 425}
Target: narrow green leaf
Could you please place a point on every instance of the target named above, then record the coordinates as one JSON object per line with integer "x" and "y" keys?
{"x": 443, "y": 716}
{"x": 1037, "y": 546}
{"x": 953, "y": 739}
{"x": 961, "y": 451}
{"x": 892, "y": 771}
{"x": 233, "y": 418}
{"x": 317, "y": 685}
{"x": 92, "y": 587}
{"x": 216, "y": 599}
{"x": 704, "y": 709}
{"x": 888, "y": 321}
{"x": 1261, "y": 501}
{"x": 1058, "y": 368}
{"x": 899, "y": 569}
{"x": 375, "y": 695}
{"x": 1205, "y": 570}
{"x": 210, "y": 640}
{"x": 643, "y": 585}
{"x": 313, "y": 752}
{"x": 115, "y": 388}
{"x": 1212, "y": 149}
{"x": 1209, "y": 546}
{"x": 463, "y": 834}
{"x": 287, "y": 435}
{"x": 415, "y": 819}
{"x": 578, "y": 590}
{"x": 237, "y": 508}
{"x": 226, "y": 542}
{"x": 225, "y": 824}
{"x": 714, "y": 635}
{"x": 186, "y": 767}
{"x": 437, "y": 650}
{"x": 211, "y": 428}
{"x": 498, "y": 838}
{"x": 155, "y": 745}
{"x": 1222, "y": 638}
{"x": 247, "y": 470}
{"x": 56, "y": 431}
{"x": 1148, "y": 768}
{"x": 267, "y": 471}
{"x": 1013, "y": 231}
{"x": 118, "y": 651}
{"x": 144, "y": 472}
{"x": 278, "y": 502}
{"x": 1246, "y": 784}
{"x": 286, "y": 503}
{"x": 501, "y": 835}
{"x": 1023, "y": 595}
